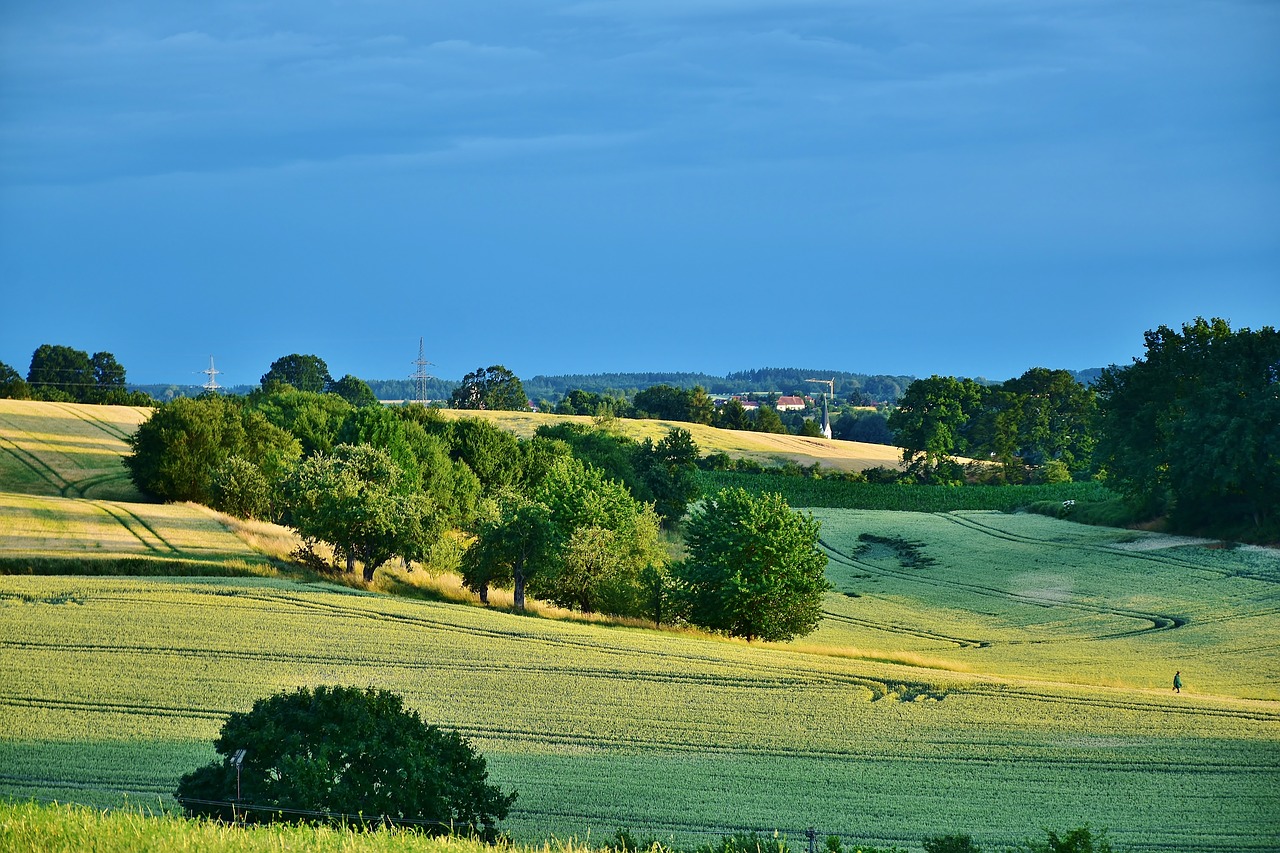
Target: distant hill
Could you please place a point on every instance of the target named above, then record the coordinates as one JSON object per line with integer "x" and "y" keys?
{"x": 860, "y": 387}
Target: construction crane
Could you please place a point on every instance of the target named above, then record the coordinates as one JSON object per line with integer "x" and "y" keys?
{"x": 830, "y": 383}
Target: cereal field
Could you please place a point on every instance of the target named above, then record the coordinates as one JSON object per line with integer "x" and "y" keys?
{"x": 975, "y": 672}
{"x": 115, "y": 686}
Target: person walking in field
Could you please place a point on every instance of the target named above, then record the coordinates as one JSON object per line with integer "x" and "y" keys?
{"x": 1177, "y": 682}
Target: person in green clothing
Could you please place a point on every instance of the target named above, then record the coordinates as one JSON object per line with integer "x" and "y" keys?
{"x": 1177, "y": 682}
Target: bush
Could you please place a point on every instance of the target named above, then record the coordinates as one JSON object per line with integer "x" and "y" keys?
{"x": 1078, "y": 840}
{"x": 345, "y": 755}
{"x": 240, "y": 489}
{"x": 951, "y": 844}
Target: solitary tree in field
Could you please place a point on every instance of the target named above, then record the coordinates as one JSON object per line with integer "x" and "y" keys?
{"x": 356, "y": 755}
{"x": 754, "y": 569}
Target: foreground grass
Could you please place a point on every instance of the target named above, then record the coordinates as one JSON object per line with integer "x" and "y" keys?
{"x": 72, "y": 829}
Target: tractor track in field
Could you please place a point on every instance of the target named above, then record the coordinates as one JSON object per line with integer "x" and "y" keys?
{"x": 131, "y": 522}
{"x": 36, "y": 465}
{"x": 959, "y": 642}
{"x": 1156, "y": 621}
{"x": 103, "y": 426}
{"x": 967, "y": 520}
{"x": 62, "y": 483}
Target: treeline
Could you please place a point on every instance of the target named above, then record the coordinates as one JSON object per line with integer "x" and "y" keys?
{"x": 67, "y": 375}
{"x": 1191, "y": 431}
{"x": 852, "y": 387}
{"x": 572, "y": 515}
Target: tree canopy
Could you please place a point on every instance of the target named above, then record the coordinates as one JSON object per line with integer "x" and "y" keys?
{"x": 303, "y": 372}
{"x": 753, "y": 568}
{"x": 355, "y": 755}
{"x": 1191, "y": 429}
{"x": 494, "y": 388}
{"x": 362, "y": 504}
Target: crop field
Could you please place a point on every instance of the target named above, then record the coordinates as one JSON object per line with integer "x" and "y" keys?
{"x": 66, "y": 449}
{"x": 975, "y": 672}
{"x": 117, "y": 685}
{"x": 766, "y": 448}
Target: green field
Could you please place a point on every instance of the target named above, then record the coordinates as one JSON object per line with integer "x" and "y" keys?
{"x": 976, "y": 672}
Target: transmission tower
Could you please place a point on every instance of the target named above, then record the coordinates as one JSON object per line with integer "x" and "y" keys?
{"x": 212, "y": 373}
{"x": 420, "y": 376}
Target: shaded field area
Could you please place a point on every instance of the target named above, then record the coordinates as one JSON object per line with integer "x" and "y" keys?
{"x": 116, "y": 685}
{"x": 67, "y": 449}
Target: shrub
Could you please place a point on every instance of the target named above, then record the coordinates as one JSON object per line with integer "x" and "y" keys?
{"x": 349, "y": 755}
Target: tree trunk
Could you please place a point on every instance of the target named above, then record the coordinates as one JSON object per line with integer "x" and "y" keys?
{"x": 518, "y": 595}
{"x": 483, "y": 592}
{"x": 351, "y": 560}
{"x": 368, "y": 572}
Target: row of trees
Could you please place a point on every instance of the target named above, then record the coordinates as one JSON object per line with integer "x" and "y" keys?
{"x": 1190, "y": 430}
{"x": 65, "y": 374}
{"x": 1040, "y": 420}
{"x": 1193, "y": 428}
{"x": 572, "y": 515}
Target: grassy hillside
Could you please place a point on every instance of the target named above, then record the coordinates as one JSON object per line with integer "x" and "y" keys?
{"x": 975, "y": 672}
{"x": 767, "y": 448}
{"x": 66, "y": 449}
{"x": 118, "y": 684}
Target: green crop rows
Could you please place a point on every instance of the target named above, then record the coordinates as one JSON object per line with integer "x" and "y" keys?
{"x": 935, "y": 699}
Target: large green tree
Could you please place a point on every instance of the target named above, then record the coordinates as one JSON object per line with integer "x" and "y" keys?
{"x": 12, "y": 385}
{"x": 303, "y": 372}
{"x": 356, "y": 755}
{"x": 1192, "y": 428}
{"x": 494, "y": 388}
{"x": 753, "y": 569}
{"x": 670, "y": 470}
{"x": 362, "y": 504}
{"x": 606, "y": 539}
{"x": 932, "y": 420}
{"x": 513, "y": 543}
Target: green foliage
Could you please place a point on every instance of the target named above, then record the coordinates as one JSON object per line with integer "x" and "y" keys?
{"x": 360, "y": 502}
{"x": 604, "y": 541}
{"x": 494, "y": 388}
{"x": 664, "y": 402}
{"x": 312, "y": 418}
{"x": 768, "y": 420}
{"x": 669, "y": 470}
{"x": 1078, "y": 840}
{"x": 12, "y": 385}
{"x": 302, "y": 372}
{"x": 514, "y": 542}
{"x": 1191, "y": 428}
{"x": 60, "y": 368}
{"x": 951, "y": 844}
{"x": 355, "y": 391}
{"x": 358, "y": 754}
{"x": 851, "y": 494}
{"x": 177, "y": 450}
{"x": 239, "y": 488}
{"x": 754, "y": 569}
{"x": 62, "y": 373}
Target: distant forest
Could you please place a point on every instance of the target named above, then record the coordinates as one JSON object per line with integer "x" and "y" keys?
{"x": 861, "y": 388}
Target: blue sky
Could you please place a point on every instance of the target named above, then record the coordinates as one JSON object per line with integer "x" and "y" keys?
{"x": 896, "y": 186}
